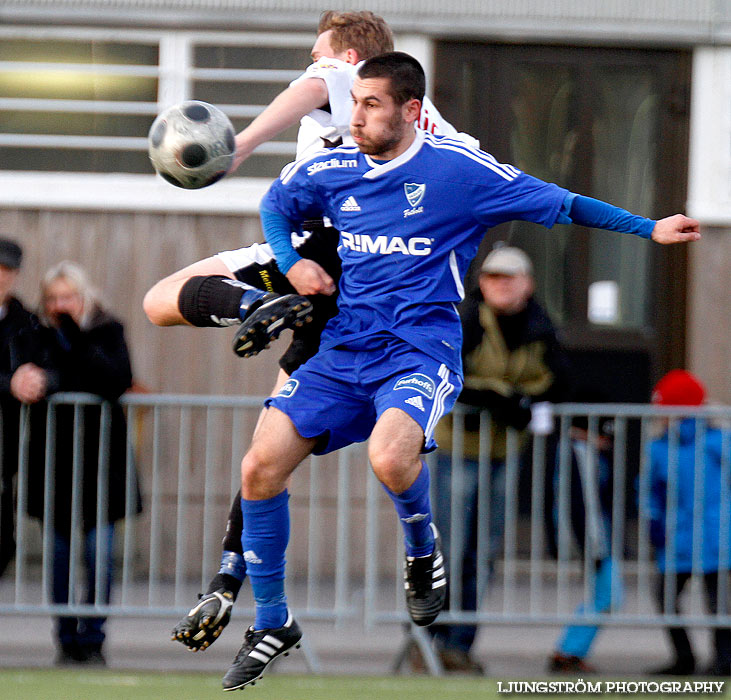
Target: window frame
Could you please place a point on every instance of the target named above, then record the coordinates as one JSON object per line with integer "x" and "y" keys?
{"x": 176, "y": 75}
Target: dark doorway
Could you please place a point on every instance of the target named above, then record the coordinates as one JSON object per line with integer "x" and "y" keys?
{"x": 608, "y": 123}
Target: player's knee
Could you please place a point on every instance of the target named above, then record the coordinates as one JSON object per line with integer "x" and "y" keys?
{"x": 153, "y": 308}
{"x": 251, "y": 470}
{"x": 389, "y": 466}
{"x": 260, "y": 477}
{"x": 148, "y": 305}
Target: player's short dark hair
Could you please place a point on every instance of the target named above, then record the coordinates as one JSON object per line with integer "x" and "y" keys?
{"x": 406, "y": 76}
{"x": 363, "y": 31}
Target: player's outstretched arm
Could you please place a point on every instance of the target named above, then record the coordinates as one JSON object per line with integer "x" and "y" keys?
{"x": 676, "y": 229}
{"x": 161, "y": 301}
{"x": 593, "y": 213}
{"x": 285, "y": 110}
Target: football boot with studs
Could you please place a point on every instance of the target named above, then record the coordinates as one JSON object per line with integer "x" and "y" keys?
{"x": 265, "y": 323}
{"x": 205, "y": 622}
{"x": 259, "y": 649}
{"x": 425, "y": 582}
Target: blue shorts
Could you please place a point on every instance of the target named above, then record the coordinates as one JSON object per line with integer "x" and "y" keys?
{"x": 340, "y": 393}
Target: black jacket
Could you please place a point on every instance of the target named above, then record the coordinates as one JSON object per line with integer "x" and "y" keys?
{"x": 13, "y": 327}
{"x": 93, "y": 360}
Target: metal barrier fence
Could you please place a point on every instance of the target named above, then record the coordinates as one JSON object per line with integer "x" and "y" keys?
{"x": 534, "y": 561}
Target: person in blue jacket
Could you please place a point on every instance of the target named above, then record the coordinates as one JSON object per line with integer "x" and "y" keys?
{"x": 674, "y": 499}
{"x": 590, "y": 487}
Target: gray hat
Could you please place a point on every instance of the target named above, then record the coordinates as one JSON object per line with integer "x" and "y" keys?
{"x": 11, "y": 253}
{"x": 507, "y": 261}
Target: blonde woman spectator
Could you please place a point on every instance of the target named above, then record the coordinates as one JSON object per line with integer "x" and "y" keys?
{"x": 79, "y": 347}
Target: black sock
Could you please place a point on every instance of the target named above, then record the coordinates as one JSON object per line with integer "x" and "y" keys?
{"x": 224, "y": 581}
{"x": 216, "y": 300}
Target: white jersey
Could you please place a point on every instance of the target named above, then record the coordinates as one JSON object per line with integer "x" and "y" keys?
{"x": 332, "y": 124}
{"x": 259, "y": 253}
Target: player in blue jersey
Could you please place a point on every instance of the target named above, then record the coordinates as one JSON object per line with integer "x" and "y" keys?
{"x": 411, "y": 209}
{"x": 246, "y": 284}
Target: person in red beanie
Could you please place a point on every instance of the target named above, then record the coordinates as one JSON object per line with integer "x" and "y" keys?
{"x": 673, "y": 475}
{"x": 679, "y": 388}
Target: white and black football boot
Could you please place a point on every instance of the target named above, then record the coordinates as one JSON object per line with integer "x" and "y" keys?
{"x": 259, "y": 649}
{"x": 425, "y": 581}
{"x": 265, "y": 323}
{"x": 205, "y": 621}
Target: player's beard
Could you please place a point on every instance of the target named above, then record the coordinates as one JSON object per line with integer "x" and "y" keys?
{"x": 376, "y": 146}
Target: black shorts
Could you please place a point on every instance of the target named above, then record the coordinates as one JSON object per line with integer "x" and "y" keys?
{"x": 259, "y": 269}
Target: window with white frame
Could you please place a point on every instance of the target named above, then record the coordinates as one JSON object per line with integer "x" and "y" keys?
{"x": 82, "y": 100}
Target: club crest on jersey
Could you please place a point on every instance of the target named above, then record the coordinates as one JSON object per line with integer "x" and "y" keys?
{"x": 288, "y": 388}
{"x": 417, "y": 382}
{"x": 414, "y": 194}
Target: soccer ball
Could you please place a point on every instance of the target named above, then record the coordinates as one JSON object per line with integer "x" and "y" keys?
{"x": 192, "y": 144}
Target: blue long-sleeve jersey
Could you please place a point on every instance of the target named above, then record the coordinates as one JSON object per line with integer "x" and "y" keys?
{"x": 408, "y": 230}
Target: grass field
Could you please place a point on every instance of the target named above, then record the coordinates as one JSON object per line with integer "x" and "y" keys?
{"x": 113, "y": 685}
{"x": 43, "y": 684}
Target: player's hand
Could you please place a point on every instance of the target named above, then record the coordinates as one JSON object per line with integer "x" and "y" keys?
{"x": 308, "y": 278}
{"x": 29, "y": 383}
{"x": 676, "y": 229}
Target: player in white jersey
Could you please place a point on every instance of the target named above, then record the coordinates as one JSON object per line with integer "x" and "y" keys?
{"x": 320, "y": 100}
{"x": 331, "y": 126}
{"x": 411, "y": 209}
{"x": 204, "y": 293}
{"x": 343, "y": 39}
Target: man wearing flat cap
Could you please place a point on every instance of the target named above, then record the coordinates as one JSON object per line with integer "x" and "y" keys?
{"x": 512, "y": 361}
{"x": 14, "y": 318}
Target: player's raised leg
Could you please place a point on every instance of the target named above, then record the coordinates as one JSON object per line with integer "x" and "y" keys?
{"x": 275, "y": 452}
{"x": 394, "y": 451}
{"x": 205, "y": 294}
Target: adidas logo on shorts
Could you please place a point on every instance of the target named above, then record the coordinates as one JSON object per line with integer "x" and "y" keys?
{"x": 415, "y": 401}
{"x": 350, "y": 205}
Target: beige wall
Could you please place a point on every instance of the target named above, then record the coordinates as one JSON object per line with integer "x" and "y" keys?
{"x": 125, "y": 254}
{"x": 709, "y": 311}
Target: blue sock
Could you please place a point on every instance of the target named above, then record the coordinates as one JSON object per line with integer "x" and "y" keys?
{"x": 264, "y": 539}
{"x": 233, "y": 564}
{"x": 414, "y": 511}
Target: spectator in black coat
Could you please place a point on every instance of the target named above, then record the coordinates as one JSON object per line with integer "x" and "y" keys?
{"x": 14, "y": 318}
{"x": 86, "y": 350}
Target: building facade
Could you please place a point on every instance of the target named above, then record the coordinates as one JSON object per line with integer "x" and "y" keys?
{"x": 629, "y": 102}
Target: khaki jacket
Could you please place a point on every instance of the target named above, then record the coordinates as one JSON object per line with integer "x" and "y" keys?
{"x": 492, "y": 366}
